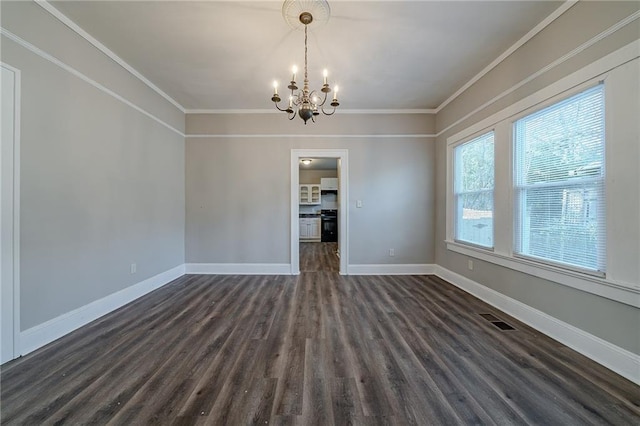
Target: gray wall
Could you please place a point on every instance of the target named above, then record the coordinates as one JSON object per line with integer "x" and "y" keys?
{"x": 605, "y": 318}
{"x": 238, "y": 211}
{"x": 101, "y": 184}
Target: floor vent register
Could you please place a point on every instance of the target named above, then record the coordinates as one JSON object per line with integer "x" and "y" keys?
{"x": 497, "y": 322}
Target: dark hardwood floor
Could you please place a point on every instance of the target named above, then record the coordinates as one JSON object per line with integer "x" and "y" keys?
{"x": 317, "y": 257}
{"x": 316, "y": 349}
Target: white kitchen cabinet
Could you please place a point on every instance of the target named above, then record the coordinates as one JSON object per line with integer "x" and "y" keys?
{"x": 314, "y": 228}
{"x": 310, "y": 229}
{"x": 329, "y": 184}
{"x": 304, "y": 229}
{"x": 309, "y": 194}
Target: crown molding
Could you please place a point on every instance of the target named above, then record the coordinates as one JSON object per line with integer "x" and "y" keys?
{"x": 342, "y": 111}
{"x": 612, "y": 29}
{"x": 46, "y": 56}
{"x": 542, "y": 25}
{"x": 305, "y": 136}
{"x": 389, "y": 111}
{"x": 104, "y": 49}
{"x": 230, "y": 111}
{"x": 109, "y": 53}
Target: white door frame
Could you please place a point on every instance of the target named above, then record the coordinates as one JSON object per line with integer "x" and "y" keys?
{"x": 10, "y": 216}
{"x": 343, "y": 201}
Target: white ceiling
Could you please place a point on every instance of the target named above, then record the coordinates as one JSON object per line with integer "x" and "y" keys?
{"x": 383, "y": 54}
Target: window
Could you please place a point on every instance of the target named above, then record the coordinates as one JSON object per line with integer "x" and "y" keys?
{"x": 473, "y": 191}
{"x": 559, "y": 182}
{"x": 566, "y": 178}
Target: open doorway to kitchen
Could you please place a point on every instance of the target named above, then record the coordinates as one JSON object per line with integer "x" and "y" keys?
{"x": 319, "y": 210}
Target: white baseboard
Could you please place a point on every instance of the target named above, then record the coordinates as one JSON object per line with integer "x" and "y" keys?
{"x": 390, "y": 269}
{"x": 238, "y": 268}
{"x": 42, "y": 334}
{"x": 615, "y": 358}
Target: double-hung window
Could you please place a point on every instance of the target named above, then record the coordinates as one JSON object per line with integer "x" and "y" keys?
{"x": 473, "y": 191}
{"x": 559, "y": 170}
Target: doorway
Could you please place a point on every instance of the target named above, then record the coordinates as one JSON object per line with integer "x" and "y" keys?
{"x": 321, "y": 250}
{"x": 318, "y": 209}
{"x": 9, "y": 215}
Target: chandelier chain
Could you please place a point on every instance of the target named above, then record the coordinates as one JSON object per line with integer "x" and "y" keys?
{"x": 305, "y": 54}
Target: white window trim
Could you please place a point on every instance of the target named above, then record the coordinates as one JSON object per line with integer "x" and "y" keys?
{"x": 492, "y": 190}
{"x": 502, "y": 121}
{"x": 451, "y": 146}
{"x": 602, "y": 287}
{"x": 512, "y": 186}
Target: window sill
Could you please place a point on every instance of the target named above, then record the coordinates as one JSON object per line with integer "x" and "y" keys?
{"x": 626, "y": 293}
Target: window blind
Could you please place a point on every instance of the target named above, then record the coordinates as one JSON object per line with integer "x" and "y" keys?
{"x": 473, "y": 190}
{"x": 559, "y": 170}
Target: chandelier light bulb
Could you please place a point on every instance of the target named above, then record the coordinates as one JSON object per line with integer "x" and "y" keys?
{"x": 325, "y": 74}
{"x": 275, "y": 87}
{"x": 294, "y": 69}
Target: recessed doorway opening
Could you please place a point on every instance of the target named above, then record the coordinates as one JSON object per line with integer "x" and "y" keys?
{"x": 319, "y": 210}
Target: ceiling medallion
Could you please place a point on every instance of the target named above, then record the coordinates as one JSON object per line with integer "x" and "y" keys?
{"x": 306, "y": 103}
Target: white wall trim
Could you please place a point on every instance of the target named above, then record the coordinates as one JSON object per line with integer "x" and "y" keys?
{"x": 238, "y": 268}
{"x": 83, "y": 77}
{"x": 16, "y": 211}
{"x": 392, "y": 269}
{"x": 570, "y": 82}
{"x": 627, "y": 293}
{"x": 15, "y": 181}
{"x": 104, "y": 49}
{"x": 534, "y": 31}
{"x": 550, "y": 66}
{"x": 42, "y": 334}
{"x": 617, "y": 359}
{"x": 304, "y": 136}
{"x": 388, "y": 111}
{"x": 341, "y": 111}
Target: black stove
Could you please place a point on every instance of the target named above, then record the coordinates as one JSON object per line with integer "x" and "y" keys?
{"x": 329, "y": 224}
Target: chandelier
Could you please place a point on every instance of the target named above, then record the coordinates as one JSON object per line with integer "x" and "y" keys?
{"x": 306, "y": 102}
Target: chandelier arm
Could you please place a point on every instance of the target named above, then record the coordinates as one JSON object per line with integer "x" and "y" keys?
{"x": 279, "y": 109}
{"x": 292, "y": 116}
{"x": 324, "y": 100}
{"x": 328, "y": 113}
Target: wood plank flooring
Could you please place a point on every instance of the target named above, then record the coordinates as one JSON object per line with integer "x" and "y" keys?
{"x": 316, "y": 349}
{"x": 316, "y": 257}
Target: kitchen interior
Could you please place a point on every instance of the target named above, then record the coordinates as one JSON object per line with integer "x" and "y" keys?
{"x": 318, "y": 211}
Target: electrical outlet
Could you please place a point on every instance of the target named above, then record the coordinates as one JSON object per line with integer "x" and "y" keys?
{"x": 392, "y": 252}
{"x": 470, "y": 264}
{"x": 134, "y": 268}
{"x": 358, "y": 204}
